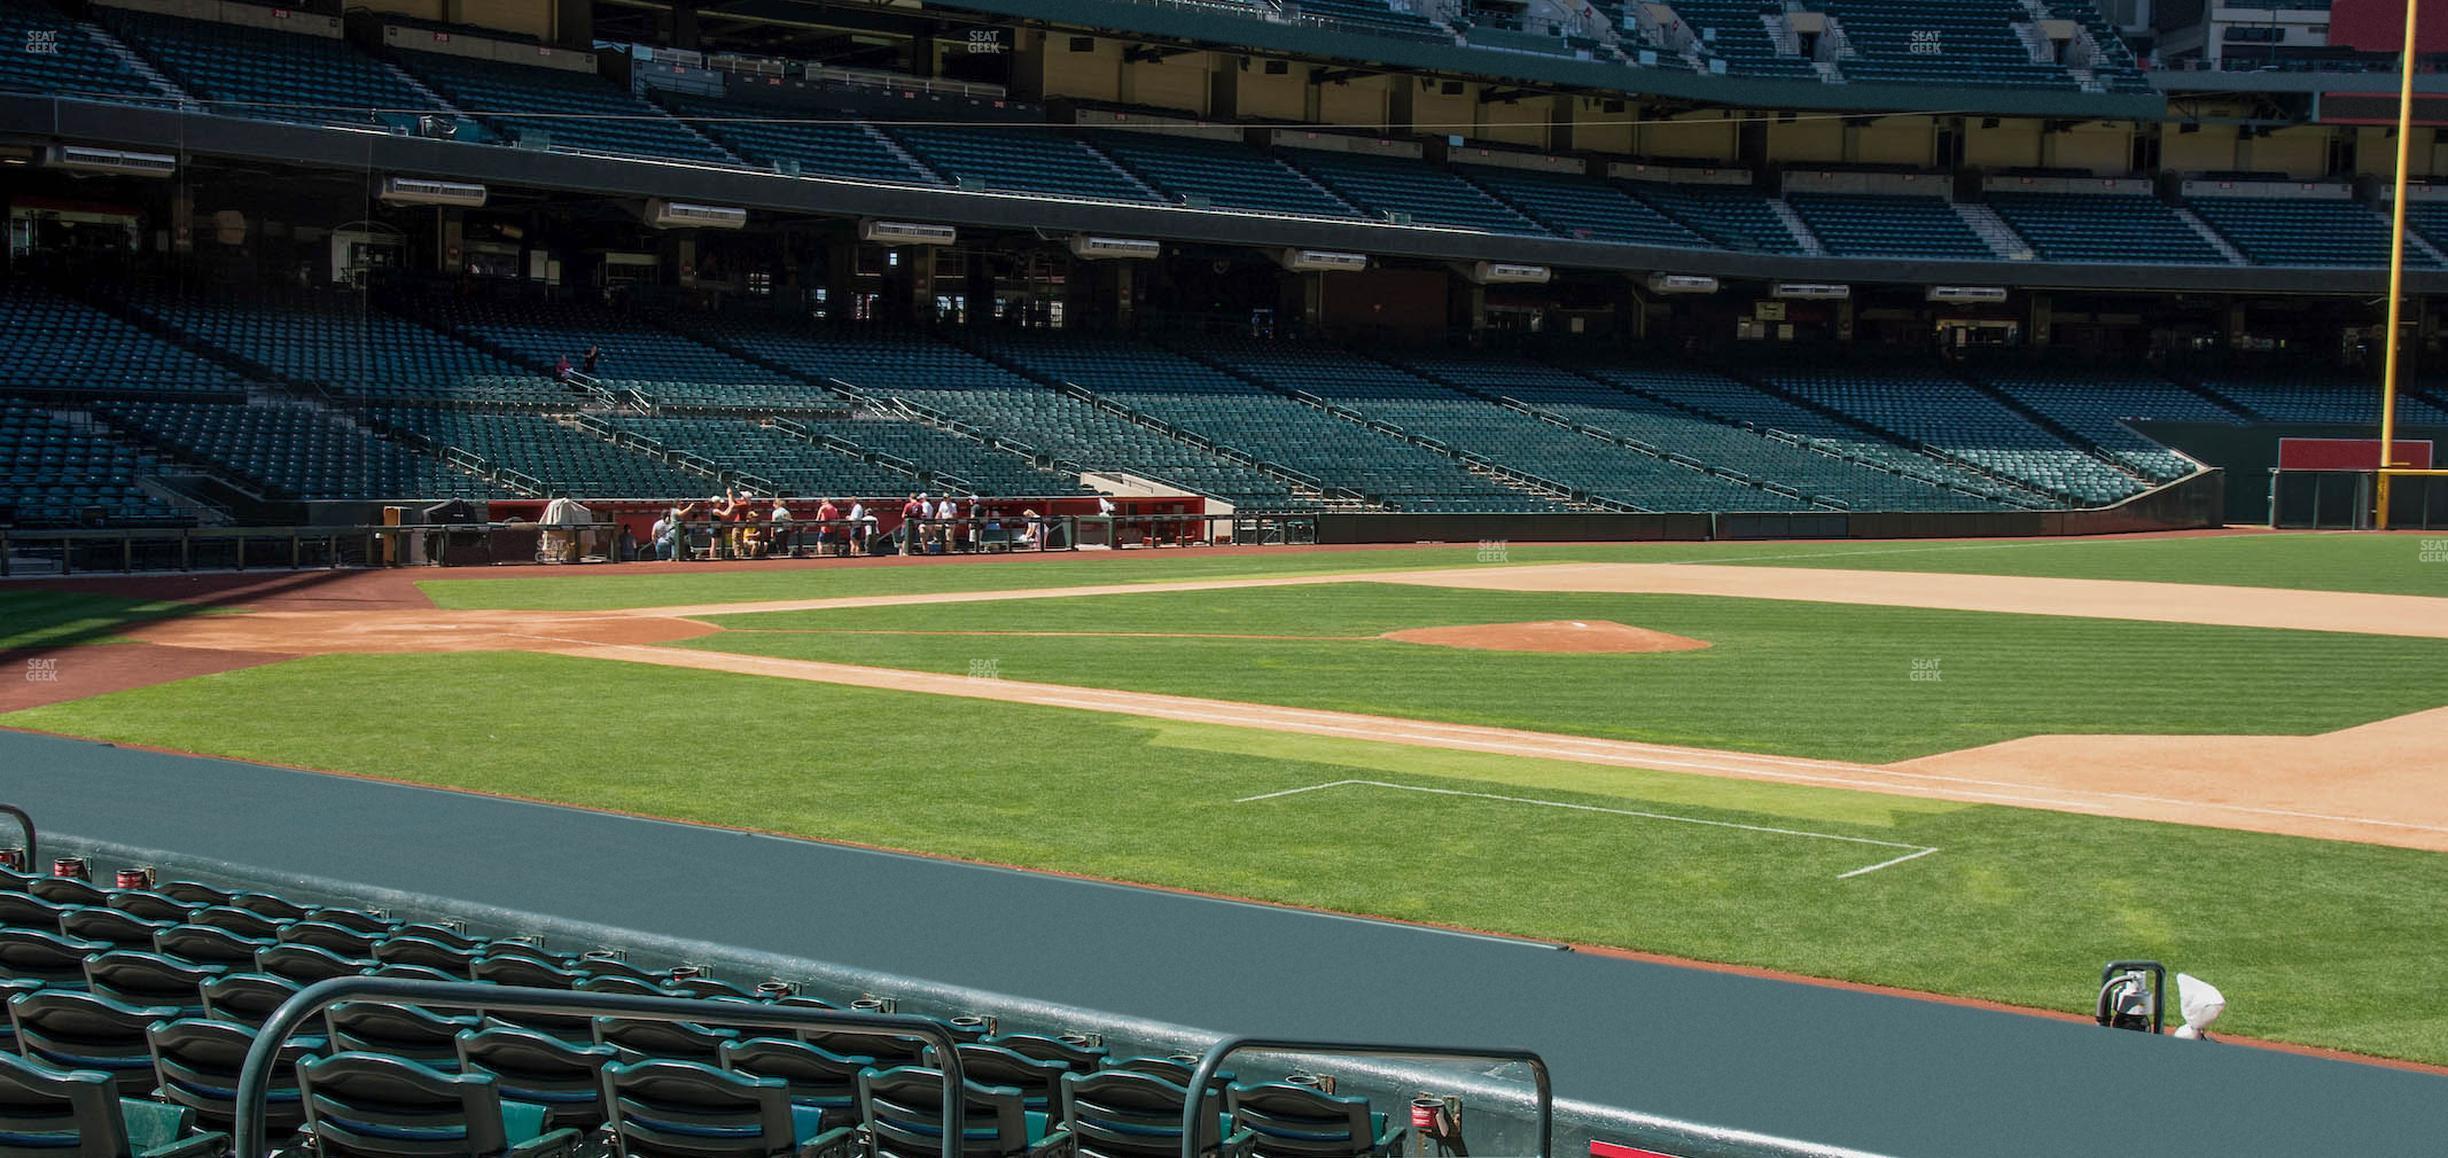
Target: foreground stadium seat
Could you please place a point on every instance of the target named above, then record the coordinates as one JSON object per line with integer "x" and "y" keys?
{"x": 888, "y": 1050}
{"x": 196, "y": 1061}
{"x": 79, "y": 1114}
{"x": 339, "y": 939}
{"x": 1122, "y": 1114}
{"x": 247, "y": 998}
{"x": 193, "y": 893}
{"x": 638, "y": 1040}
{"x": 56, "y": 962}
{"x": 306, "y": 964}
{"x": 818, "y": 1078}
{"x": 1039, "y": 1082}
{"x": 1289, "y": 1121}
{"x": 135, "y": 977}
{"x": 152, "y": 906}
{"x": 81, "y": 1031}
{"x": 403, "y": 1031}
{"x": 206, "y": 945}
{"x": 363, "y": 1105}
{"x": 903, "y": 1111}
{"x": 26, "y": 911}
{"x": 677, "y": 1109}
{"x": 1175, "y": 1071}
{"x": 119, "y": 929}
{"x": 66, "y": 891}
{"x": 232, "y": 919}
{"x": 413, "y": 949}
{"x": 542, "y": 1070}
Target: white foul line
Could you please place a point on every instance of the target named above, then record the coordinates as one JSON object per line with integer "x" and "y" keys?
{"x": 1916, "y": 851}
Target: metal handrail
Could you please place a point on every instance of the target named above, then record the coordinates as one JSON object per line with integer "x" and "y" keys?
{"x": 1213, "y": 1060}
{"x": 255, "y": 1074}
{"x": 27, "y": 823}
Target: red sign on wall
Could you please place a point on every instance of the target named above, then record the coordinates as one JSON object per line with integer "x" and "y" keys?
{"x": 2379, "y": 26}
{"x": 2349, "y": 453}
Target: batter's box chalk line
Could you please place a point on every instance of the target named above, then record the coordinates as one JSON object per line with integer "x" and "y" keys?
{"x": 1911, "y": 851}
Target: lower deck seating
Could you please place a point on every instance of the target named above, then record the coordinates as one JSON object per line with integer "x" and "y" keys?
{"x": 1604, "y": 402}
{"x": 1231, "y": 411}
{"x": 2095, "y": 404}
{"x": 59, "y": 344}
{"x": 294, "y": 451}
{"x": 564, "y": 460}
{"x": 1951, "y": 415}
{"x": 2318, "y": 397}
{"x": 53, "y": 473}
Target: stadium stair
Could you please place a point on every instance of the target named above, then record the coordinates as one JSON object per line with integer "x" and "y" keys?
{"x": 1989, "y": 227}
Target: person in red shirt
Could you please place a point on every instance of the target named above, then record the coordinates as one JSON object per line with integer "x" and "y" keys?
{"x": 826, "y": 533}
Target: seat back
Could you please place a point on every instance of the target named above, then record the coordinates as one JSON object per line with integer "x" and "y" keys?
{"x": 204, "y": 944}
{"x": 371, "y": 1106}
{"x": 192, "y": 893}
{"x": 120, "y": 929}
{"x": 55, "y": 961}
{"x": 75, "y": 1030}
{"x": 1174, "y": 1071}
{"x": 817, "y": 1077}
{"x": 1123, "y": 1114}
{"x": 306, "y": 964}
{"x": 412, "y": 949}
{"x": 196, "y": 1061}
{"x": 542, "y": 1070}
{"x": 677, "y": 1109}
{"x": 1039, "y": 1082}
{"x": 903, "y": 1110}
{"x": 678, "y": 1040}
{"x": 66, "y": 891}
{"x": 1080, "y": 1058}
{"x": 888, "y": 1050}
{"x": 151, "y": 906}
{"x": 406, "y": 1031}
{"x": 246, "y": 998}
{"x": 340, "y": 939}
{"x": 230, "y": 918}
{"x": 1289, "y": 1121}
{"x": 137, "y": 978}
{"x": 59, "y": 1113}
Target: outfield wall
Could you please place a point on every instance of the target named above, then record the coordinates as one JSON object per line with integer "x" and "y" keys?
{"x": 2187, "y": 504}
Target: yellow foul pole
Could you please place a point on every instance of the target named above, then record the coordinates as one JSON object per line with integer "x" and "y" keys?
{"x": 2397, "y": 231}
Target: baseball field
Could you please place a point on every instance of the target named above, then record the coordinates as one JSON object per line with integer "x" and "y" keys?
{"x": 1968, "y": 769}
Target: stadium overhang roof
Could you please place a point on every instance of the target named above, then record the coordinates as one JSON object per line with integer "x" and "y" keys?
{"x": 197, "y": 134}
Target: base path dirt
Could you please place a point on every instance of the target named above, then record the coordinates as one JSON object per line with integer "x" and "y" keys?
{"x": 32, "y": 678}
{"x": 2243, "y": 811}
{"x": 314, "y": 632}
{"x": 1593, "y": 636}
{"x": 2346, "y": 611}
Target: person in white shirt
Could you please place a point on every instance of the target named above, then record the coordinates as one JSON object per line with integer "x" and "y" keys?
{"x": 947, "y": 512}
{"x": 859, "y": 520}
{"x": 782, "y": 538}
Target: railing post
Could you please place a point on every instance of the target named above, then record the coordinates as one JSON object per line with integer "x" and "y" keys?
{"x": 25, "y": 822}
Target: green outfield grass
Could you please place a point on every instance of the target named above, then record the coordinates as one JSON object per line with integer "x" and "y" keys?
{"x": 33, "y": 618}
{"x": 2320, "y": 942}
{"x": 2383, "y": 564}
{"x": 1836, "y": 681}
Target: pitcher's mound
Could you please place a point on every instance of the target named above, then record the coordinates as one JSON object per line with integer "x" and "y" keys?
{"x": 1563, "y": 635}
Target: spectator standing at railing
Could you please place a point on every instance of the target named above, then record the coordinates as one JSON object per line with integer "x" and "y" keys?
{"x": 913, "y": 518}
{"x": 781, "y": 538}
{"x": 561, "y": 369}
{"x": 588, "y": 362}
{"x": 828, "y": 529}
{"x": 947, "y": 512}
{"x": 862, "y": 527}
